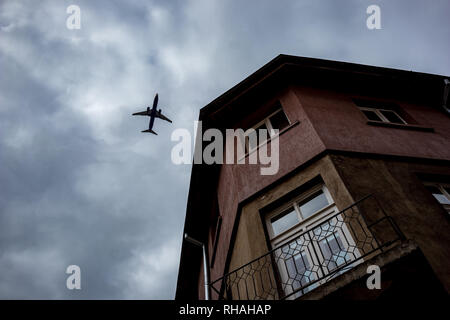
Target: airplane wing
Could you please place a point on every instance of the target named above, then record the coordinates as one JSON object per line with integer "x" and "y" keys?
{"x": 161, "y": 116}
{"x": 143, "y": 113}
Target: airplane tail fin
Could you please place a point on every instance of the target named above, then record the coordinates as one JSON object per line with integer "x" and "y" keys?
{"x": 150, "y": 131}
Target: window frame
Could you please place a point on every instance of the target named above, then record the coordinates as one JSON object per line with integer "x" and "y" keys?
{"x": 303, "y": 223}
{"x": 441, "y": 187}
{"x": 266, "y": 121}
{"x": 378, "y": 112}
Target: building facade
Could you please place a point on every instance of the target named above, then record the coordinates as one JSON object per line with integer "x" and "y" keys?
{"x": 363, "y": 181}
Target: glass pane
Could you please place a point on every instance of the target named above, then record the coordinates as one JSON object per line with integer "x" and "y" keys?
{"x": 279, "y": 120}
{"x": 438, "y": 195}
{"x": 371, "y": 115}
{"x": 284, "y": 221}
{"x": 312, "y": 204}
{"x": 442, "y": 198}
{"x": 391, "y": 116}
{"x": 333, "y": 251}
{"x": 303, "y": 269}
{"x": 300, "y": 272}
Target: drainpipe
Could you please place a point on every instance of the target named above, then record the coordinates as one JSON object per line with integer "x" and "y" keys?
{"x": 205, "y": 264}
{"x": 446, "y": 96}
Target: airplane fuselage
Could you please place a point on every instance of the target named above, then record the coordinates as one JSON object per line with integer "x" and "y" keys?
{"x": 152, "y": 113}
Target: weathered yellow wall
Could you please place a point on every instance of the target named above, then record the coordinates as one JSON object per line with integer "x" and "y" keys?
{"x": 403, "y": 196}
{"x": 395, "y": 185}
{"x": 250, "y": 239}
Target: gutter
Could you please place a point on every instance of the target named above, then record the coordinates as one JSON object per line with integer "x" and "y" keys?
{"x": 445, "y": 97}
{"x": 205, "y": 264}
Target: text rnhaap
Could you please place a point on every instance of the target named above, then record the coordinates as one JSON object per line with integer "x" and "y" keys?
{"x": 233, "y": 309}
{"x": 246, "y": 309}
{"x": 235, "y": 147}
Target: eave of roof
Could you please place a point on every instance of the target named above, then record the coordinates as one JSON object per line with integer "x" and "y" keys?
{"x": 283, "y": 60}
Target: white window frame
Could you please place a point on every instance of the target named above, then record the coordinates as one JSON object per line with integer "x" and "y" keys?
{"x": 303, "y": 223}
{"x": 380, "y": 115}
{"x": 271, "y": 133}
{"x": 309, "y": 223}
{"x": 441, "y": 187}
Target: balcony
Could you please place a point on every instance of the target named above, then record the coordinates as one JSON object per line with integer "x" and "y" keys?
{"x": 328, "y": 249}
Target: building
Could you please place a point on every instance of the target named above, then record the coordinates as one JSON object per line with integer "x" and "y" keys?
{"x": 363, "y": 179}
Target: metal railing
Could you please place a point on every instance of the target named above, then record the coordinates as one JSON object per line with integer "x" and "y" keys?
{"x": 327, "y": 249}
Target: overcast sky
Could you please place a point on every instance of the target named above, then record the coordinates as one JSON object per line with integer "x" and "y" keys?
{"x": 79, "y": 183}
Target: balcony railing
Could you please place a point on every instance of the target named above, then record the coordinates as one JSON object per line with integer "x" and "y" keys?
{"x": 324, "y": 251}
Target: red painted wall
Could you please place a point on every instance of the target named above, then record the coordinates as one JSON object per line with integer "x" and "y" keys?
{"x": 341, "y": 126}
{"x": 327, "y": 120}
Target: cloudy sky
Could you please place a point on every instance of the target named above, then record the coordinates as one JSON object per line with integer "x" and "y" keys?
{"x": 79, "y": 183}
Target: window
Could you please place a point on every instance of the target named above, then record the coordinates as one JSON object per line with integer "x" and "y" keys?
{"x": 308, "y": 256}
{"x": 276, "y": 120}
{"x": 441, "y": 191}
{"x": 379, "y": 111}
{"x": 382, "y": 115}
{"x": 302, "y": 209}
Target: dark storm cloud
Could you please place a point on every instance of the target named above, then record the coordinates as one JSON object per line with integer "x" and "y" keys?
{"x": 81, "y": 185}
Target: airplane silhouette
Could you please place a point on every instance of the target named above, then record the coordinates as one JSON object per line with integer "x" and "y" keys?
{"x": 152, "y": 113}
